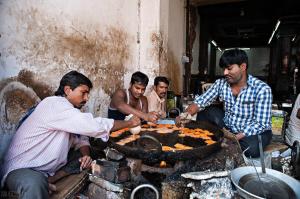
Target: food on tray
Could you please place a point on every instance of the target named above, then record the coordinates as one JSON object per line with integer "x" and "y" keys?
{"x": 196, "y": 133}
{"x": 209, "y": 142}
{"x": 179, "y": 146}
{"x": 181, "y": 135}
{"x": 165, "y": 131}
{"x": 118, "y": 132}
{"x": 128, "y": 139}
{"x": 151, "y": 129}
{"x": 156, "y": 127}
{"x": 168, "y": 148}
{"x": 163, "y": 164}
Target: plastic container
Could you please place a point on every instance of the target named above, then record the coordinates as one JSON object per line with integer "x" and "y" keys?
{"x": 279, "y": 118}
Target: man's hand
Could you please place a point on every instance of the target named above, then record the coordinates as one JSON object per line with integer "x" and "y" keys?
{"x": 240, "y": 136}
{"x": 52, "y": 188}
{"x": 85, "y": 161}
{"x": 192, "y": 109}
{"x": 183, "y": 118}
{"x": 135, "y": 121}
{"x": 152, "y": 117}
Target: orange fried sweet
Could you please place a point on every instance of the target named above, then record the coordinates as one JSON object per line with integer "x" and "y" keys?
{"x": 128, "y": 139}
{"x": 118, "y": 132}
{"x": 179, "y": 146}
{"x": 162, "y": 164}
{"x": 209, "y": 142}
{"x": 167, "y": 148}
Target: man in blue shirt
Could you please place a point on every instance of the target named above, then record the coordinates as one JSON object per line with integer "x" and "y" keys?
{"x": 247, "y": 102}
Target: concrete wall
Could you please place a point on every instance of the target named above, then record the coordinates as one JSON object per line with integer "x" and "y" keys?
{"x": 107, "y": 40}
{"x": 172, "y": 41}
{"x": 195, "y": 48}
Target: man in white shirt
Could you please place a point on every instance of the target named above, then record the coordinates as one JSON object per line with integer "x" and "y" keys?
{"x": 293, "y": 131}
{"x": 157, "y": 97}
{"x": 41, "y": 144}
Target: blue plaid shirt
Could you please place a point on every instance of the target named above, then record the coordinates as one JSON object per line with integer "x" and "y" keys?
{"x": 249, "y": 112}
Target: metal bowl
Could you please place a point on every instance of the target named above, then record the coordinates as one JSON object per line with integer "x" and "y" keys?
{"x": 272, "y": 184}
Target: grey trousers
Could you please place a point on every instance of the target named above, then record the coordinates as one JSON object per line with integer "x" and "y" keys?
{"x": 28, "y": 184}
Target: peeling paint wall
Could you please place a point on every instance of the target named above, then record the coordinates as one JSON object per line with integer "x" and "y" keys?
{"x": 107, "y": 40}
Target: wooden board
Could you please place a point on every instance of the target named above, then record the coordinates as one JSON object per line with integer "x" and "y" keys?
{"x": 70, "y": 186}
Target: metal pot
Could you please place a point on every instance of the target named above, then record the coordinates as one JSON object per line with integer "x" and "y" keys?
{"x": 199, "y": 151}
{"x": 272, "y": 184}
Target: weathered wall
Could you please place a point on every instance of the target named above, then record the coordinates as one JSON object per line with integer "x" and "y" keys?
{"x": 107, "y": 40}
{"x": 171, "y": 41}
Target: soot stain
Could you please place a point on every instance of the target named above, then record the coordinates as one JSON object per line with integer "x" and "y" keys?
{"x": 54, "y": 50}
{"x": 28, "y": 79}
{"x": 17, "y": 103}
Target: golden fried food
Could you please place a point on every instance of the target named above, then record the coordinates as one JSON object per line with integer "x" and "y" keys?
{"x": 168, "y": 148}
{"x": 209, "y": 142}
{"x": 118, "y": 132}
{"x": 163, "y": 164}
{"x": 164, "y": 130}
{"x": 179, "y": 146}
{"x": 128, "y": 139}
{"x": 197, "y": 133}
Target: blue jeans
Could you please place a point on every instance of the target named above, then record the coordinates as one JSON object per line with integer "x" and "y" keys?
{"x": 5, "y": 140}
{"x": 28, "y": 184}
{"x": 215, "y": 115}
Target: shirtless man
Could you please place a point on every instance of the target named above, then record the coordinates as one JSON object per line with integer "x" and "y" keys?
{"x": 131, "y": 100}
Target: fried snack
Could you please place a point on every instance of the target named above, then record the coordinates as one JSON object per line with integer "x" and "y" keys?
{"x": 165, "y": 130}
{"x": 206, "y": 132}
{"x": 128, "y": 139}
{"x": 181, "y": 135}
{"x": 197, "y": 133}
{"x": 209, "y": 142}
{"x": 163, "y": 164}
{"x": 179, "y": 146}
{"x": 175, "y": 128}
{"x": 168, "y": 148}
{"x": 118, "y": 132}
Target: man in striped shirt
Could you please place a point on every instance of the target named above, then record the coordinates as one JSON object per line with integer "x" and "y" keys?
{"x": 41, "y": 144}
{"x": 247, "y": 102}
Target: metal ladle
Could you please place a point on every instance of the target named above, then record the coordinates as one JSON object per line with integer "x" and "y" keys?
{"x": 262, "y": 162}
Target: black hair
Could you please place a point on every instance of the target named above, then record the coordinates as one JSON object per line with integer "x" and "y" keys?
{"x": 160, "y": 79}
{"x": 72, "y": 79}
{"x": 139, "y": 77}
{"x": 233, "y": 56}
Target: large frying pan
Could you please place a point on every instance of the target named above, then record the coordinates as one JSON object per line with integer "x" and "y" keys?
{"x": 199, "y": 151}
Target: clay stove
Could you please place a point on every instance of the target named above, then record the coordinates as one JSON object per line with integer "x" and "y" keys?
{"x": 167, "y": 179}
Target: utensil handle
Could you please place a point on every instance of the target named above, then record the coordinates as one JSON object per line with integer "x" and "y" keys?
{"x": 152, "y": 139}
{"x": 261, "y": 154}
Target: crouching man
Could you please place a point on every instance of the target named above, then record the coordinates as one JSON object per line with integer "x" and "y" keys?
{"x": 41, "y": 144}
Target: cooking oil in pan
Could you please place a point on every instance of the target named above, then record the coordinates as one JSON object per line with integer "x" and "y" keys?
{"x": 272, "y": 187}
